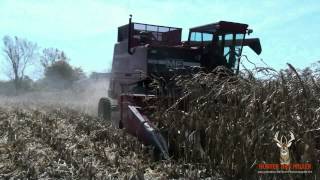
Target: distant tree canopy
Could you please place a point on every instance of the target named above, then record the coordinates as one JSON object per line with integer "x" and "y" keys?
{"x": 51, "y": 55}
{"x": 60, "y": 74}
{"x": 19, "y": 54}
{"x": 7, "y": 87}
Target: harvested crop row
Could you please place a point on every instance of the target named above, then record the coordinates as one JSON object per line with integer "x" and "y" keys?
{"x": 65, "y": 144}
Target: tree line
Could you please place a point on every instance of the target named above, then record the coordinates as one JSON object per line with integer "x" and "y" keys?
{"x": 19, "y": 54}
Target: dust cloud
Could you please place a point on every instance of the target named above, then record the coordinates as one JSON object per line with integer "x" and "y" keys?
{"x": 83, "y": 96}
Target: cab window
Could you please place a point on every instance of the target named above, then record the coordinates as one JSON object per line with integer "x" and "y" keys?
{"x": 200, "y": 37}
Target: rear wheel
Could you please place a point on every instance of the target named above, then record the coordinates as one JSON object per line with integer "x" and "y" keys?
{"x": 104, "y": 109}
{"x": 120, "y": 125}
{"x": 156, "y": 153}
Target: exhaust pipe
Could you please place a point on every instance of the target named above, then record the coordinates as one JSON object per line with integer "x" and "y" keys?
{"x": 130, "y": 35}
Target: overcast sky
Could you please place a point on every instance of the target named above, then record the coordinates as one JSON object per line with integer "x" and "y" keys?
{"x": 87, "y": 29}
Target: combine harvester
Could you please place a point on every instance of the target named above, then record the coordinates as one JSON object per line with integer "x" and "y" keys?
{"x": 145, "y": 51}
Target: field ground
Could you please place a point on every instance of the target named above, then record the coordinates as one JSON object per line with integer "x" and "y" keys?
{"x": 56, "y": 135}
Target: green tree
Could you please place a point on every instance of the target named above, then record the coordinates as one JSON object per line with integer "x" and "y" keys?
{"x": 61, "y": 75}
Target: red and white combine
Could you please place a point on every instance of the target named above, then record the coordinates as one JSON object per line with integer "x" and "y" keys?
{"x": 145, "y": 51}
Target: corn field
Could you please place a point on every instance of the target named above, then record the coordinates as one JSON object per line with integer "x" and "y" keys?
{"x": 227, "y": 123}
{"x": 221, "y": 128}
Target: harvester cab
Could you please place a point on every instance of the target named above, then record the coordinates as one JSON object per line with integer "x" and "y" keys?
{"x": 145, "y": 51}
{"x": 221, "y": 44}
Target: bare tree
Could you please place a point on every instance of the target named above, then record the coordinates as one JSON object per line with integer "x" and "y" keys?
{"x": 51, "y": 55}
{"x": 19, "y": 54}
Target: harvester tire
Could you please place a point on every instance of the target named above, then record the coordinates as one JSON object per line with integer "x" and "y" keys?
{"x": 104, "y": 109}
{"x": 156, "y": 154}
{"x": 120, "y": 124}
